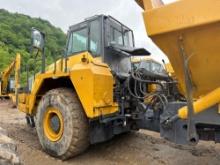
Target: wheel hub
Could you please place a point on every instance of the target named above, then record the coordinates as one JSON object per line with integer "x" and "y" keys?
{"x": 53, "y": 124}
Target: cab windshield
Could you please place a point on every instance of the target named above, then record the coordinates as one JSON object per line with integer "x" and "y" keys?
{"x": 87, "y": 38}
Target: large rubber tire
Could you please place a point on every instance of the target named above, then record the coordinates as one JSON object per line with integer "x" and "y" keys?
{"x": 75, "y": 137}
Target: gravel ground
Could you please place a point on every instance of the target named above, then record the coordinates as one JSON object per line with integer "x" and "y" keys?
{"x": 138, "y": 148}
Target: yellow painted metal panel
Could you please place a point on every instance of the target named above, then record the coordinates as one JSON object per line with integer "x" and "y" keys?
{"x": 202, "y": 104}
{"x": 37, "y": 85}
{"x": 180, "y": 15}
{"x": 91, "y": 78}
{"x": 94, "y": 85}
{"x": 197, "y": 23}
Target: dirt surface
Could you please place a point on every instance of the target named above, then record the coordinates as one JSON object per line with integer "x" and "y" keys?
{"x": 139, "y": 148}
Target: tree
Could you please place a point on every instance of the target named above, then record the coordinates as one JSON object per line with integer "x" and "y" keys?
{"x": 15, "y": 37}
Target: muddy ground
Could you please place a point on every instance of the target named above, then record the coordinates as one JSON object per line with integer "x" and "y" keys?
{"x": 143, "y": 147}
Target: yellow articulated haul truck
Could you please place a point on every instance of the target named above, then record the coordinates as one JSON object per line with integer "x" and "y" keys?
{"x": 92, "y": 93}
{"x": 187, "y": 31}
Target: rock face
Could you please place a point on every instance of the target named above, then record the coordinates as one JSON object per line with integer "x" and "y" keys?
{"x": 8, "y": 149}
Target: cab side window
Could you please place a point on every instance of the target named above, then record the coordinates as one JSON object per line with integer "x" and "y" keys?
{"x": 78, "y": 41}
{"x": 116, "y": 36}
{"x": 95, "y": 38}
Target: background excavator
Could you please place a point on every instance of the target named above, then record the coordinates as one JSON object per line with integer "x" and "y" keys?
{"x": 10, "y": 80}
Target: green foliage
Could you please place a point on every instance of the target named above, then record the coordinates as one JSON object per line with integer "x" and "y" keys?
{"x": 15, "y": 37}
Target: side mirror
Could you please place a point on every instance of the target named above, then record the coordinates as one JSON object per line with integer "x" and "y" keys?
{"x": 38, "y": 39}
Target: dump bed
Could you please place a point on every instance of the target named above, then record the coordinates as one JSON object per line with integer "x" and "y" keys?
{"x": 193, "y": 25}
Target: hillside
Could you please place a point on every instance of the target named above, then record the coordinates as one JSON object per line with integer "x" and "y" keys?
{"x": 15, "y": 36}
